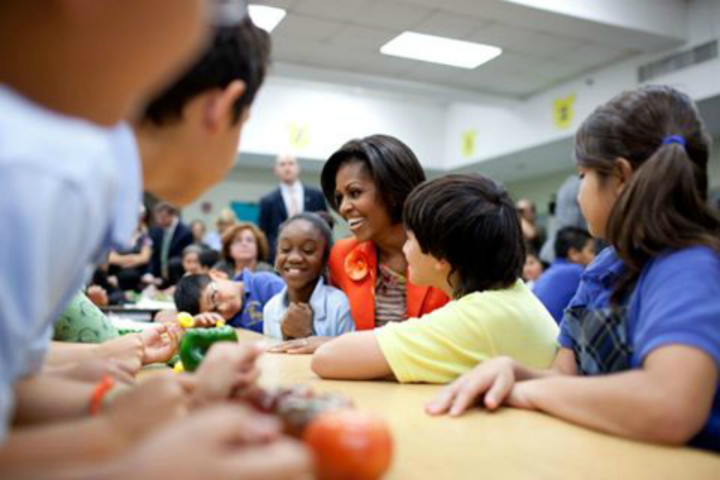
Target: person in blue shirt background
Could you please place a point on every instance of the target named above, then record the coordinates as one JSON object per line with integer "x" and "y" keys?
{"x": 239, "y": 302}
{"x": 574, "y": 250}
{"x": 640, "y": 341}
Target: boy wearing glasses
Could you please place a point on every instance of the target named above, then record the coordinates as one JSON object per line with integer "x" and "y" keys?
{"x": 240, "y": 302}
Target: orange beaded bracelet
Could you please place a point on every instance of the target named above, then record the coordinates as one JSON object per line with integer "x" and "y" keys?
{"x": 101, "y": 389}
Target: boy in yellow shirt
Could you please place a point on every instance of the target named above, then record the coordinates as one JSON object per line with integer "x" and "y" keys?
{"x": 464, "y": 238}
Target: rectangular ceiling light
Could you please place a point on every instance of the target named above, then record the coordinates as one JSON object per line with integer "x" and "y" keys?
{"x": 265, "y": 17}
{"x": 446, "y": 51}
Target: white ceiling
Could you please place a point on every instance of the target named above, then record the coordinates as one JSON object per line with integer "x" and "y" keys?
{"x": 541, "y": 48}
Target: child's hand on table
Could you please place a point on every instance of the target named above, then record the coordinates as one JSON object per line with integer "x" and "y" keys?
{"x": 161, "y": 342}
{"x": 228, "y": 370}
{"x": 492, "y": 381}
{"x": 300, "y": 346}
{"x": 298, "y": 321}
{"x": 127, "y": 349}
{"x": 220, "y": 442}
{"x": 207, "y": 320}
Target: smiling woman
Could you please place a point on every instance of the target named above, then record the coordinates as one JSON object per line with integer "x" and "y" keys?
{"x": 367, "y": 182}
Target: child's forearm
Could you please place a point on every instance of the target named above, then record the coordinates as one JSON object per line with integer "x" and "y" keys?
{"x": 46, "y": 397}
{"x": 353, "y": 356}
{"x": 564, "y": 364}
{"x": 618, "y": 404}
{"x": 61, "y": 353}
{"x": 127, "y": 348}
{"x": 89, "y": 471}
{"x": 665, "y": 402}
{"x": 66, "y": 444}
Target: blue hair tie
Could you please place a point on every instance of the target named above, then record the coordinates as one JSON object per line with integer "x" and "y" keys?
{"x": 669, "y": 140}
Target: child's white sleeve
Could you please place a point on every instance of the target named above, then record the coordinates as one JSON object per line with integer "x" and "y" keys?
{"x": 272, "y": 317}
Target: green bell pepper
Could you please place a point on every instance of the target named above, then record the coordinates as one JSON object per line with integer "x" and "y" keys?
{"x": 197, "y": 341}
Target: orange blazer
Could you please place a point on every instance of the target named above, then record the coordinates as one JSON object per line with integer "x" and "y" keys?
{"x": 353, "y": 269}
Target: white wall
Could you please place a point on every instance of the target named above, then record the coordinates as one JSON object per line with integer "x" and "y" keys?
{"x": 331, "y": 115}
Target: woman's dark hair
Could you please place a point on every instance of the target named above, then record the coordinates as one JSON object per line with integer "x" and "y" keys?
{"x": 659, "y": 132}
{"x": 321, "y": 224}
{"x": 239, "y": 52}
{"x": 394, "y": 168}
{"x": 469, "y": 221}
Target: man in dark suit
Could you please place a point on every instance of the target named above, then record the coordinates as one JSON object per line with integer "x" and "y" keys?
{"x": 170, "y": 237}
{"x": 290, "y": 198}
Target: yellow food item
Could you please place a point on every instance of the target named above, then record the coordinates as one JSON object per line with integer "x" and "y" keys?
{"x": 185, "y": 320}
{"x": 178, "y": 368}
{"x": 220, "y": 323}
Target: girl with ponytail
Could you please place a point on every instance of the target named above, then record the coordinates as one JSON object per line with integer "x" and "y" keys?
{"x": 640, "y": 341}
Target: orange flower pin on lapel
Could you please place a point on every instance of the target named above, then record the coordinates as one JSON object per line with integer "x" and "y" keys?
{"x": 356, "y": 265}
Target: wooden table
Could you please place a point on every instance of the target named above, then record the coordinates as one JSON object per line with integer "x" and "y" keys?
{"x": 508, "y": 444}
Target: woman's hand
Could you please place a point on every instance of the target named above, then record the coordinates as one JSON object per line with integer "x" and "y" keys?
{"x": 300, "y": 346}
{"x": 490, "y": 383}
{"x": 298, "y": 321}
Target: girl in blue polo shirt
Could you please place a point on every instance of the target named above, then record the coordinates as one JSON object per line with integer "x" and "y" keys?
{"x": 640, "y": 340}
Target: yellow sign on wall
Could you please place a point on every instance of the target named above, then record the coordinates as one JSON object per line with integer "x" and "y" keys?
{"x": 563, "y": 112}
{"x": 298, "y": 135}
{"x": 468, "y": 143}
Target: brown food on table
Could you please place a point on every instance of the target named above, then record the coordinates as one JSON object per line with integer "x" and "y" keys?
{"x": 295, "y": 406}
